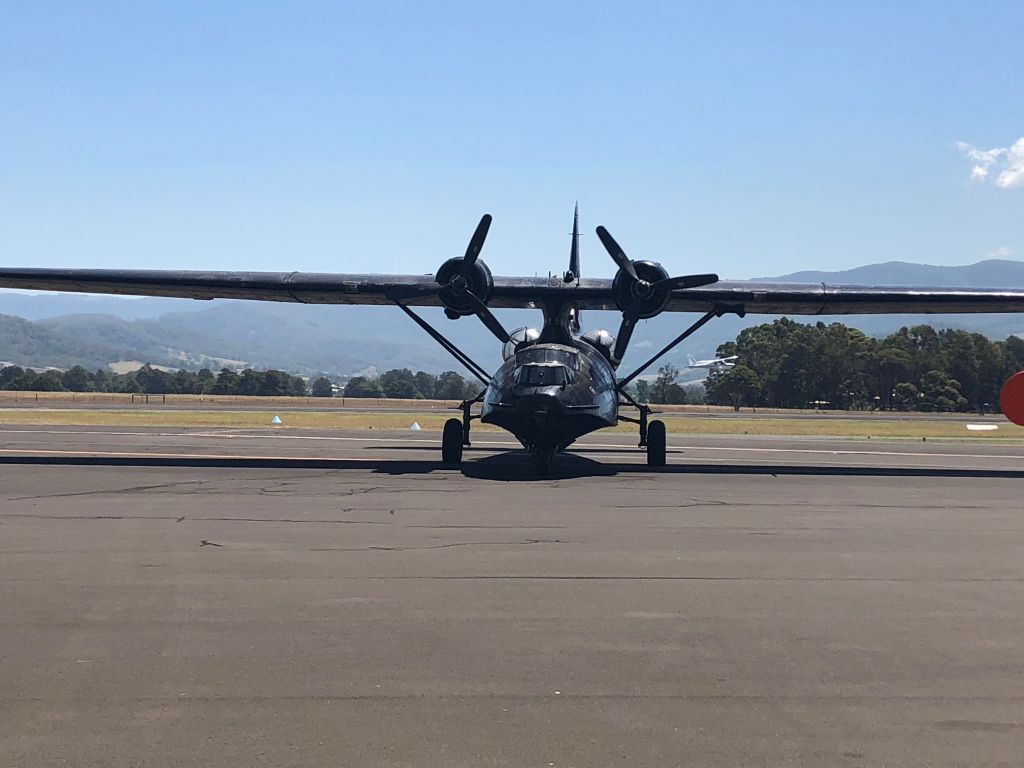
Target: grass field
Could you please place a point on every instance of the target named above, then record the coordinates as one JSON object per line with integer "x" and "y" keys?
{"x": 433, "y": 420}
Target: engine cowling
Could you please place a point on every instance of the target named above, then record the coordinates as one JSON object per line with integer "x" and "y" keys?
{"x": 603, "y": 341}
{"x": 460, "y": 278}
{"x": 519, "y": 337}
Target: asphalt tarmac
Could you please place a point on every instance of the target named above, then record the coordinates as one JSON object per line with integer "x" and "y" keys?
{"x": 212, "y": 598}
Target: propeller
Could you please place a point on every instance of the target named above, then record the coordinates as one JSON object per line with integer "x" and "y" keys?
{"x": 464, "y": 284}
{"x": 476, "y": 242}
{"x": 641, "y": 289}
{"x": 615, "y": 251}
{"x": 487, "y": 317}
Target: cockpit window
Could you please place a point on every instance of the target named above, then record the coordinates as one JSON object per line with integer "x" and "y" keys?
{"x": 543, "y": 375}
{"x": 567, "y": 357}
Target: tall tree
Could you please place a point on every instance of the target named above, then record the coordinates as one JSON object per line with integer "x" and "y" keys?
{"x": 360, "y": 386}
{"x": 426, "y": 383}
{"x": 322, "y": 387}
{"x": 735, "y": 387}
{"x": 451, "y": 386}
{"x": 227, "y": 382}
{"x": 77, "y": 379}
{"x": 661, "y": 391}
{"x": 643, "y": 391}
{"x": 399, "y": 383}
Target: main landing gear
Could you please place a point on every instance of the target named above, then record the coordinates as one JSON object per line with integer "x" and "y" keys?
{"x": 456, "y": 433}
{"x": 656, "y": 443}
{"x": 451, "y": 443}
{"x": 652, "y": 433}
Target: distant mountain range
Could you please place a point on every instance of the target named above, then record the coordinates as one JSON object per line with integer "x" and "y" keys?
{"x": 991, "y": 273}
{"x": 67, "y": 329}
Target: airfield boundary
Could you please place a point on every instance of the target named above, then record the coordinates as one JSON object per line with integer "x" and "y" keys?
{"x": 9, "y": 398}
{"x": 433, "y": 420}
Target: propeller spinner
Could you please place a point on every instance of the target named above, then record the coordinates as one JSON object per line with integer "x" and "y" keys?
{"x": 641, "y": 289}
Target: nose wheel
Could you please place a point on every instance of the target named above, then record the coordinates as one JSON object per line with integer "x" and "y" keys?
{"x": 542, "y": 456}
{"x": 656, "y": 443}
{"x": 451, "y": 443}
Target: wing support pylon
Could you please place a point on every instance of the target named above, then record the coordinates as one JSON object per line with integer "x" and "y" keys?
{"x": 669, "y": 347}
{"x": 448, "y": 346}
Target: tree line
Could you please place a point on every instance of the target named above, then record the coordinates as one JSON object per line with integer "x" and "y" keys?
{"x": 403, "y": 383}
{"x": 398, "y": 383}
{"x": 155, "y": 381}
{"x": 783, "y": 364}
{"x": 786, "y": 364}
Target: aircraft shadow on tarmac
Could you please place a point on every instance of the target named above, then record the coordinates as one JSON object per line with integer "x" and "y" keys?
{"x": 509, "y": 466}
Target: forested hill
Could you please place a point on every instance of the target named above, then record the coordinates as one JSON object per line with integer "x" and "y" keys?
{"x": 301, "y": 339}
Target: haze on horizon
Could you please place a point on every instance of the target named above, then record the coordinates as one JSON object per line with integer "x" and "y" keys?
{"x": 744, "y": 139}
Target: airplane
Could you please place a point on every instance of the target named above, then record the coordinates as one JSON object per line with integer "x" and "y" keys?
{"x": 715, "y": 363}
{"x": 557, "y": 383}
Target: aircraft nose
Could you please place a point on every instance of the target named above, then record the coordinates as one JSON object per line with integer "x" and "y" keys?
{"x": 538, "y": 406}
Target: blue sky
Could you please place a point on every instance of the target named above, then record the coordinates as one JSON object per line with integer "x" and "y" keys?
{"x": 744, "y": 138}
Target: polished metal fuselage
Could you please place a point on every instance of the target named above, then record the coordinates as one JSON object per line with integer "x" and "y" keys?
{"x": 550, "y": 394}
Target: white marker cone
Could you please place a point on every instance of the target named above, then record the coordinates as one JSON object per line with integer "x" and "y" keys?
{"x": 276, "y": 420}
{"x": 415, "y": 426}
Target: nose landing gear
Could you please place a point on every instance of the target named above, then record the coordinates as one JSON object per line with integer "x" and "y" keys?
{"x": 542, "y": 456}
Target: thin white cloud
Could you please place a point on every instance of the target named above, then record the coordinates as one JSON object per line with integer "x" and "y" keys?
{"x": 1002, "y": 252}
{"x": 1007, "y": 162}
{"x": 1013, "y": 174}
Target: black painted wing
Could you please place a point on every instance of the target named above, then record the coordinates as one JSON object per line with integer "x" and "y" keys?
{"x": 420, "y": 290}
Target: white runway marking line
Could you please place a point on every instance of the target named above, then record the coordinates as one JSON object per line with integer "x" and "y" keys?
{"x": 580, "y": 445}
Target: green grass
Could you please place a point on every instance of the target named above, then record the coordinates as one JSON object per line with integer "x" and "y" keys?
{"x": 676, "y": 424}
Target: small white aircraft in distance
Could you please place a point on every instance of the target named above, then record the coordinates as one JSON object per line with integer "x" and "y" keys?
{"x": 715, "y": 364}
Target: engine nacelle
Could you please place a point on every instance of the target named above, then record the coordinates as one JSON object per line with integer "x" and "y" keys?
{"x": 457, "y": 278}
{"x": 520, "y": 336}
{"x": 628, "y": 293}
{"x": 602, "y": 341}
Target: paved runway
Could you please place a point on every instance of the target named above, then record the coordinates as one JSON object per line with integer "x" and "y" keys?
{"x": 496, "y": 454}
{"x": 325, "y": 599}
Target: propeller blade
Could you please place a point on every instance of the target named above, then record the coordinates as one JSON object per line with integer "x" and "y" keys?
{"x": 686, "y": 281}
{"x": 476, "y": 242}
{"x": 487, "y": 317}
{"x": 625, "y": 333}
{"x": 615, "y": 251}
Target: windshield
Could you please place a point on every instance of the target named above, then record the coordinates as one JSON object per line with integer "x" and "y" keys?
{"x": 567, "y": 357}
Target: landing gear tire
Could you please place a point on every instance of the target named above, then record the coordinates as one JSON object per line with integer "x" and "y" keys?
{"x": 542, "y": 460}
{"x": 656, "y": 444}
{"x": 451, "y": 443}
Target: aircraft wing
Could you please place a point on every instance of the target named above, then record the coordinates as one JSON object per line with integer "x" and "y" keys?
{"x": 741, "y": 297}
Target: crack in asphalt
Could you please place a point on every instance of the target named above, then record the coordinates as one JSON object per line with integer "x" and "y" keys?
{"x": 195, "y": 484}
{"x": 325, "y": 521}
{"x": 438, "y": 546}
{"x": 560, "y": 696}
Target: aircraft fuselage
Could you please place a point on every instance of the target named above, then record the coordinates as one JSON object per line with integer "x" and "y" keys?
{"x": 550, "y": 394}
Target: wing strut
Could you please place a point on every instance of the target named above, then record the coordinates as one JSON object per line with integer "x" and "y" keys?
{"x": 454, "y": 351}
{"x": 692, "y": 329}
